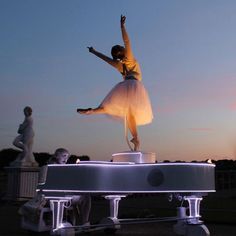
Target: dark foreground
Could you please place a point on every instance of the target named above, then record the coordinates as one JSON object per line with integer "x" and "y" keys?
{"x": 10, "y": 225}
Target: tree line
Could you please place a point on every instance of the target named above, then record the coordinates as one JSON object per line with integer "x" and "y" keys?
{"x": 9, "y": 155}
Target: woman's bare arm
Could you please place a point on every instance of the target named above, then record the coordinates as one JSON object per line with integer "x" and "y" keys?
{"x": 105, "y": 58}
{"x": 129, "y": 53}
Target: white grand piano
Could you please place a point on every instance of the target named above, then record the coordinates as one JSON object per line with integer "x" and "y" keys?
{"x": 115, "y": 180}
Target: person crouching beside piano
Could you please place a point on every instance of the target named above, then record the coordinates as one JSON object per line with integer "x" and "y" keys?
{"x": 81, "y": 203}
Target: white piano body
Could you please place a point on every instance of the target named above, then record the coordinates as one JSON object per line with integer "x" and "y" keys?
{"x": 115, "y": 180}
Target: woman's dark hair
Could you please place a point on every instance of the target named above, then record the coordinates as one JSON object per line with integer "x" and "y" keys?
{"x": 117, "y": 52}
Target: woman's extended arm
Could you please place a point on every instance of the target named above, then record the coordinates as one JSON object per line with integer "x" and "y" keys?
{"x": 129, "y": 53}
{"x": 107, "y": 59}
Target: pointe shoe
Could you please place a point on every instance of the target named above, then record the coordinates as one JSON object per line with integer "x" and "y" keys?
{"x": 136, "y": 143}
{"x": 86, "y": 111}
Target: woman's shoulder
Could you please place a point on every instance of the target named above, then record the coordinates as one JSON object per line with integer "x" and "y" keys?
{"x": 130, "y": 60}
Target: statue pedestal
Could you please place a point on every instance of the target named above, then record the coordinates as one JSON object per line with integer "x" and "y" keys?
{"x": 135, "y": 157}
{"x": 21, "y": 182}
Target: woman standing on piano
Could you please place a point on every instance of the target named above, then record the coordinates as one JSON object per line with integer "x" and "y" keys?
{"x": 129, "y": 99}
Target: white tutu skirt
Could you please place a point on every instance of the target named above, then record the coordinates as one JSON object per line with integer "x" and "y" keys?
{"x": 129, "y": 96}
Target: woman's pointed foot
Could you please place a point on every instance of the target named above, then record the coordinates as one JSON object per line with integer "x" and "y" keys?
{"x": 86, "y": 111}
{"x": 136, "y": 143}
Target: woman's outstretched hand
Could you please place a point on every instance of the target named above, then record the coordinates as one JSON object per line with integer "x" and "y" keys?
{"x": 91, "y": 49}
{"x": 122, "y": 20}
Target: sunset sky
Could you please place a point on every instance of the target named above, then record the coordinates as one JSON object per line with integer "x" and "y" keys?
{"x": 187, "y": 53}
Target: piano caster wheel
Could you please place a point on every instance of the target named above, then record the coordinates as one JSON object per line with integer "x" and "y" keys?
{"x": 113, "y": 225}
{"x": 64, "y": 231}
{"x": 197, "y": 230}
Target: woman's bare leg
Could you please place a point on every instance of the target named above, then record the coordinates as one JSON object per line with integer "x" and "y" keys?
{"x": 131, "y": 123}
{"x": 133, "y": 130}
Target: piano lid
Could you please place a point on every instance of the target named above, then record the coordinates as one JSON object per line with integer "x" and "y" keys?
{"x": 114, "y": 178}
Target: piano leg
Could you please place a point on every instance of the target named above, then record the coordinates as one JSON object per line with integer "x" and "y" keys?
{"x": 112, "y": 222}
{"x": 192, "y": 226}
{"x": 194, "y": 209}
{"x": 57, "y": 207}
{"x": 114, "y": 204}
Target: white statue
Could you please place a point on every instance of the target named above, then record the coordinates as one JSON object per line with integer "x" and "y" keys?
{"x": 25, "y": 140}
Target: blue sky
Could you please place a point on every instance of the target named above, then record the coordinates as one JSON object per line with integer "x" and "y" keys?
{"x": 187, "y": 53}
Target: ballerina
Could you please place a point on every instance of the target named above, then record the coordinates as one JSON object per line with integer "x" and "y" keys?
{"x": 129, "y": 99}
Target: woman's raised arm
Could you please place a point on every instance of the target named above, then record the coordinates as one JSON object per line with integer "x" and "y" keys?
{"x": 129, "y": 53}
